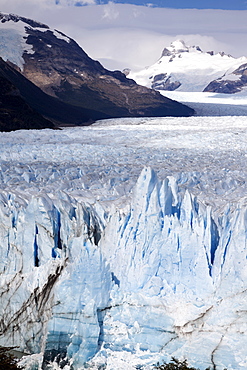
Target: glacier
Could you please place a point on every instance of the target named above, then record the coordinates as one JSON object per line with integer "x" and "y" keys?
{"x": 110, "y": 264}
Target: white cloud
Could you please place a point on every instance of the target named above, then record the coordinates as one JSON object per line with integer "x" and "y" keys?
{"x": 134, "y": 36}
{"x": 74, "y": 2}
{"x": 110, "y": 11}
{"x": 206, "y": 43}
{"x": 25, "y": 7}
{"x": 29, "y": 7}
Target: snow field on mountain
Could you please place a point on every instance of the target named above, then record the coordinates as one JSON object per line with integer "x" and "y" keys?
{"x": 11, "y": 46}
{"x": 194, "y": 70}
{"x": 188, "y": 69}
{"x": 13, "y": 39}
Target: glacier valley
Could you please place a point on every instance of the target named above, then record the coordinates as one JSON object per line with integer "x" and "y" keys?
{"x": 125, "y": 243}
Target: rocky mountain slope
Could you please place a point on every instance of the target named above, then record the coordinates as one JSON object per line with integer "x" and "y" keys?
{"x": 52, "y": 108}
{"x": 60, "y": 68}
{"x": 230, "y": 83}
{"x": 15, "y": 113}
{"x": 188, "y": 68}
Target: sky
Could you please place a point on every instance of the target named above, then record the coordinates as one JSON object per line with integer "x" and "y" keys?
{"x": 197, "y": 4}
{"x": 133, "y": 36}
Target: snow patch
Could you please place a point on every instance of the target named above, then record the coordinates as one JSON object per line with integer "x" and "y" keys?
{"x": 13, "y": 37}
{"x": 61, "y": 36}
{"x": 11, "y": 47}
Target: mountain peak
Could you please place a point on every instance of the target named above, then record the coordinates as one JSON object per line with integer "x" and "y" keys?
{"x": 5, "y": 17}
{"x": 188, "y": 68}
{"x": 178, "y": 47}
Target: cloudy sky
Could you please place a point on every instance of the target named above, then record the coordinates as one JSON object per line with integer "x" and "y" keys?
{"x": 133, "y": 36}
{"x": 183, "y": 4}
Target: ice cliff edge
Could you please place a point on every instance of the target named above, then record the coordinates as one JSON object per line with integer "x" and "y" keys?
{"x": 157, "y": 278}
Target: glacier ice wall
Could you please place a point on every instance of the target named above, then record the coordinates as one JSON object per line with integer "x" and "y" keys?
{"x": 156, "y": 278}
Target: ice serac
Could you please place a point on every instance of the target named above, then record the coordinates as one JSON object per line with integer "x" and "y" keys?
{"x": 50, "y": 267}
{"x": 159, "y": 277}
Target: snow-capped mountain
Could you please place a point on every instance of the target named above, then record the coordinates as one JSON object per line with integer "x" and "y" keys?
{"x": 188, "y": 68}
{"x": 57, "y": 65}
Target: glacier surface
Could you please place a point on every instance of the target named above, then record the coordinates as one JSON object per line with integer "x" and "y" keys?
{"x": 124, "y": 243}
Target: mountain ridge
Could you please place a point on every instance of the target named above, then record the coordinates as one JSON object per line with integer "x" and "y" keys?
{"x": 61, "y": 68}
{"x": 188, "y": 68}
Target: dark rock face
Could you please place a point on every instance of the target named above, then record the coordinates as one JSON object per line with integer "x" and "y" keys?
{"x": 224, "y": 87}
{"x": 164, "y": 82}
{"x": 176, "y": 49}
{"x": 15, "y": 113}
{"x": 242, "y": 71}
{"x": 166, "y": 53}
{"x": 231, "y": 86}
{"x": 63, "y": 70}
{"x": 50, "y": 107}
